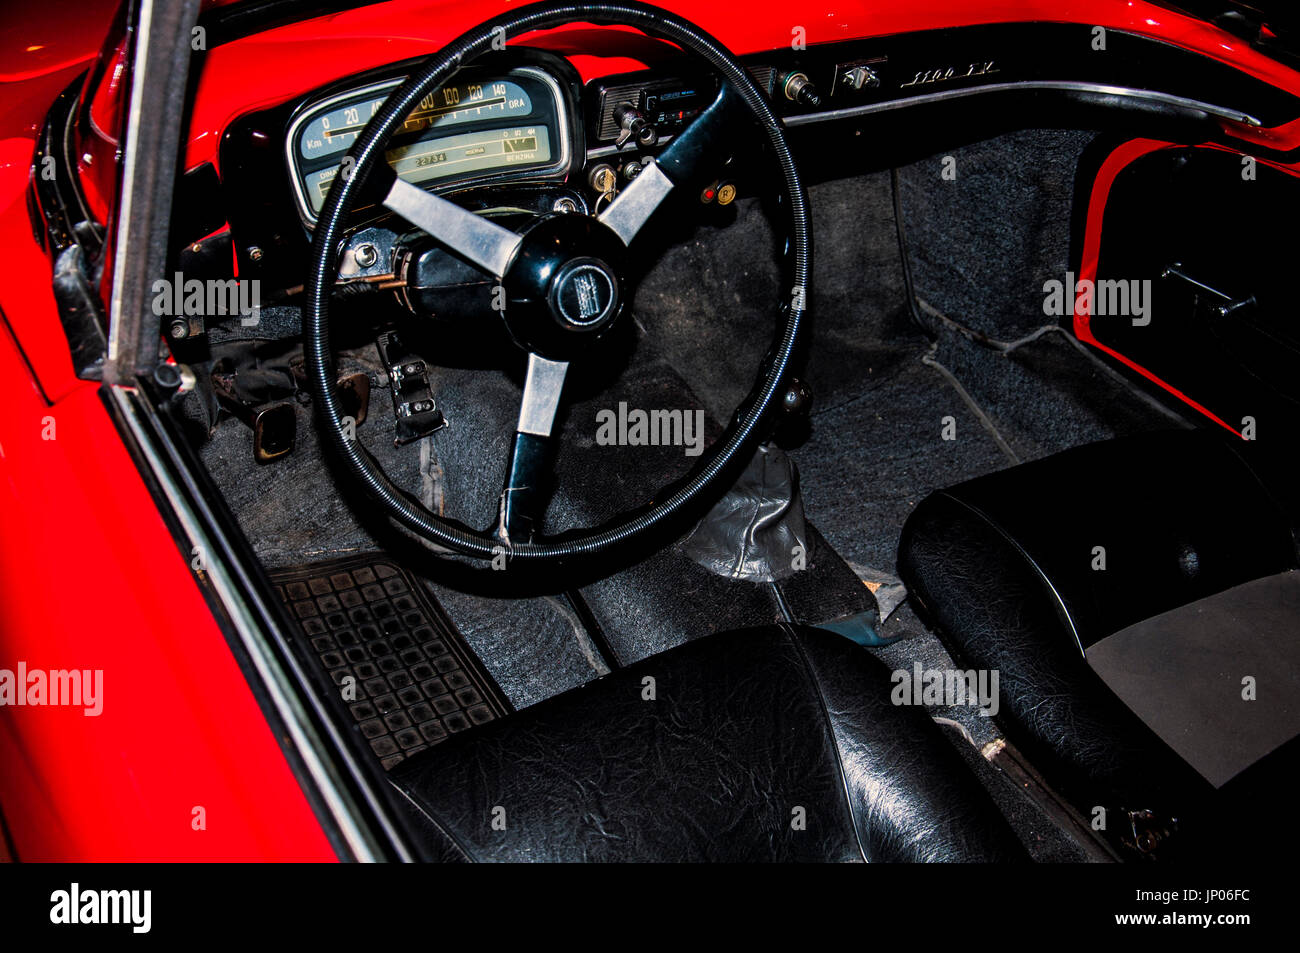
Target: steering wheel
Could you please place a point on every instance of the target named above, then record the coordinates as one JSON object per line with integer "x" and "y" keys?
{"x": 563, "y": 276}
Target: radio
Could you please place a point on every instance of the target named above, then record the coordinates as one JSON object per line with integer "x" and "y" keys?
{"x": 643, "y": 108}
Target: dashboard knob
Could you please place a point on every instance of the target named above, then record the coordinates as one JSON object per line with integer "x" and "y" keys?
{"x": 633, "y": 124}
{"x": 798, "y": 88}
{"x": 860, "y": 77}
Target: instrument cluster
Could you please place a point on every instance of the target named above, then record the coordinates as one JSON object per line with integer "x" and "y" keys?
{"x": 491, "y": 125}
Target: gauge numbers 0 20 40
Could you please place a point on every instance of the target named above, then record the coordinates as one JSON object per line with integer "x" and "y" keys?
{"x": 334, "y": 131}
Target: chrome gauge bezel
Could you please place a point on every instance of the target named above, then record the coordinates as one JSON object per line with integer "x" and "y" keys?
{"x": 312, "y": 109}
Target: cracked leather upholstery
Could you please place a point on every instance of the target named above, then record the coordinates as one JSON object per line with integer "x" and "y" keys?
{"x": 993, "y": 611}
{"x": 713, "y": 751}
{"x": 1002, "y": 568}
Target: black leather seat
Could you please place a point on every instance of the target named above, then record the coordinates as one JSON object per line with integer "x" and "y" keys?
{"x": 1123, "y": 591}
{"x": 765, "y": 744}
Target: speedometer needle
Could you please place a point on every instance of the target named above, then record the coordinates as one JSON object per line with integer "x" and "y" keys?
{"x": 343, "y": 130}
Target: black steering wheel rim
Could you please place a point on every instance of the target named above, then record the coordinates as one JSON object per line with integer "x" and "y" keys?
{"x": 743, "y": 431}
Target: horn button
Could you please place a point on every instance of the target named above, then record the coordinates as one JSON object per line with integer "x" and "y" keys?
{"x": 584, "y": 293}
{"x": 564, "y": 288}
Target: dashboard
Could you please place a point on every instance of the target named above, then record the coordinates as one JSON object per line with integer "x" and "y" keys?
{"x": 520, "y": 131}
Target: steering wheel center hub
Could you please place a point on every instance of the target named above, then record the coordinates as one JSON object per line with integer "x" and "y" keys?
{"x": 564, "y": 288}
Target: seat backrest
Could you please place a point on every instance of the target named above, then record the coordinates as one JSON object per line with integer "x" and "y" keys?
{"x": 1126, "y": 529}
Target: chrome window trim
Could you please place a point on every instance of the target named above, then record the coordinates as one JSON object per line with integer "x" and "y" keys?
{"x": 271, "y": 674}
{"x": 1168, "y": 99}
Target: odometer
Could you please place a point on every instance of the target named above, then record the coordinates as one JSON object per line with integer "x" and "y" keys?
{"x": 470, "y": 152}
{"x": 497, "y": 125}
{"x": 451, "y": 156}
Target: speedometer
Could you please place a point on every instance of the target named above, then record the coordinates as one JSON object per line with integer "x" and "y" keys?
{"x": 482, "y": 125}
{"x": 334, "y": 131}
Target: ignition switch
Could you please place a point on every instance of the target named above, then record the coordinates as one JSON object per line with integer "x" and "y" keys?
{"x": 603, "y": 178}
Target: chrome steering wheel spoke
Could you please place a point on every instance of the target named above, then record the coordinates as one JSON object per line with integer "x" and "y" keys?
{"x": 523, "y": 499}
{"x": 637, "y": 202}
{"x": 473, "y": 237}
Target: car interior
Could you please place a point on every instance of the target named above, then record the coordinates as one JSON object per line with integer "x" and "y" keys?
{"x": 655, "y": 451}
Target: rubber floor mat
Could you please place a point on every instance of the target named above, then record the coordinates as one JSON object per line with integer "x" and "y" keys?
{"x": 406, "y": 679}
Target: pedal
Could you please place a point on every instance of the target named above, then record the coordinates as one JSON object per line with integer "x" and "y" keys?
{"x": 354, "y": 396}
{"x": 274, "y": 425}
{"x": 414, "y": 406}
{"x": 352, "y": 390}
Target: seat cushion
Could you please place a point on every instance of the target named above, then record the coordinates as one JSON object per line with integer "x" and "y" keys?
{"x": 1216, "y": 679}
{"x": 993, "y": 611}
{"x": 1006, "y": 569}
{"x": 764, "y": 744}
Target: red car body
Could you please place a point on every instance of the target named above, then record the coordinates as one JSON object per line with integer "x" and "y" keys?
{"x": 91, "y": 576}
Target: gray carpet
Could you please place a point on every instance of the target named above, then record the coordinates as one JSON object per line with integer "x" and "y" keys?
{"x": 981, "y": 247}
{"x": 294, "y": 512}
{"x": 984, "y": 242}
{"x": 871, "y": 459}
